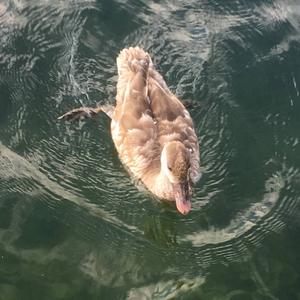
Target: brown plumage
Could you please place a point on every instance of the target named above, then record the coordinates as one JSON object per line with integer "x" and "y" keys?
{"x": 152, "y": 131}
{"x": 179, "y": 160}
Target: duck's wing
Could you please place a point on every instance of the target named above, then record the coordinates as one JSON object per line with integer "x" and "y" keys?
{"x": 173, "y": 120}
{"x": 133, "y": 127}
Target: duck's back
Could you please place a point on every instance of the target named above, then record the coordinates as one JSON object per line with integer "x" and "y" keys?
{"x": 174, "y": 122}
{"x": 133, "y": 127}
{"x": 147, "y": 116}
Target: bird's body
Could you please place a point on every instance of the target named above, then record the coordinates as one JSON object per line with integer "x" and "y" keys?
{"x": 152, "y": 130}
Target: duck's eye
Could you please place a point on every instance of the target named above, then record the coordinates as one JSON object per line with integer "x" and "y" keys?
{"x": 170, "y": 169}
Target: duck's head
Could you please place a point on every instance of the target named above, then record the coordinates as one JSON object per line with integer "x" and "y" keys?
{"x": 175, "y": 163}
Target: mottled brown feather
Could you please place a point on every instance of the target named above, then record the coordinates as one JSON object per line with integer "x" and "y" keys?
{"x": 146, "y": 117}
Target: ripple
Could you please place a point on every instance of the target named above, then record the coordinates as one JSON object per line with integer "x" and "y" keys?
{"x": 26, "y": 170}
{"x": 245, "y": 220}
{"x": 55, "y": 56}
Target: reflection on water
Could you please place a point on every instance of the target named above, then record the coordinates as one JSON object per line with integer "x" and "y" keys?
{"x": 73, "y": 225}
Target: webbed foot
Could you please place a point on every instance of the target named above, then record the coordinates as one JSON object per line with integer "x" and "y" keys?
{"x": 86, "y": 112}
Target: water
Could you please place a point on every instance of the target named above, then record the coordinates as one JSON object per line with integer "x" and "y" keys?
{"x": 72, "y": 223}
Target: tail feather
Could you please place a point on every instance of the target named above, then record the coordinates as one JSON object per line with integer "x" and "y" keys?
{"x": 133, "y": 65}
{"x": 133, "y": 60}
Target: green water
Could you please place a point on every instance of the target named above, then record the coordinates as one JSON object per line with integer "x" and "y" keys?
{"x": 73, "y": 225}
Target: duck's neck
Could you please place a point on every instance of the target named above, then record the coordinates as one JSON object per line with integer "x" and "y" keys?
{"x": 158, "y": 183}
{"x": 155, "y": 177}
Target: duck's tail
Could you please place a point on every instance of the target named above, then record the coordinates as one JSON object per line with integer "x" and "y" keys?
{"x": 133, "y": 60}
{"x": 133, "y": 66}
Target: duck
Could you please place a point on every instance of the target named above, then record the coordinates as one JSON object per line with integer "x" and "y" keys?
{"x": 152, "y": 130}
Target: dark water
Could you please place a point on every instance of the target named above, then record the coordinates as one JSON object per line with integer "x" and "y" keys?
{"x": 72, "y": 223}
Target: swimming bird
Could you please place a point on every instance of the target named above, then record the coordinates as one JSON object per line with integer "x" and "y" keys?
{"x": 152, "y": 130}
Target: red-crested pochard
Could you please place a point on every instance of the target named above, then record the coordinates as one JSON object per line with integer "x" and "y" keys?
{"x": 151, "y": 129}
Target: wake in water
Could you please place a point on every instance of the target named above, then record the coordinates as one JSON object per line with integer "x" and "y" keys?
{"x": 66, "y": 200}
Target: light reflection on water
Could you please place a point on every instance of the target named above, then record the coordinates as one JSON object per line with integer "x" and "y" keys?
{"x": 66, "y": 201}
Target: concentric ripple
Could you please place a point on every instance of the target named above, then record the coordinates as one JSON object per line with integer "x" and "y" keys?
{"x": 66, "y": 202}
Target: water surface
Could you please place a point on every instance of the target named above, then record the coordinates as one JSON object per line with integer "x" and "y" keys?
{"x": 72, "y": 223}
